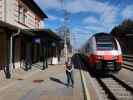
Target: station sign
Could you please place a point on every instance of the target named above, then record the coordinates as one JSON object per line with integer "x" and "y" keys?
{"x": 37, "y": 40}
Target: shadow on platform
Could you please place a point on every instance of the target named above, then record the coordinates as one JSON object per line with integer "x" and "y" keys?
{"x": 57, "y": 80}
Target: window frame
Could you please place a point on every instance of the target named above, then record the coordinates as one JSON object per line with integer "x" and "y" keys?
{"x": 22, "y": 13}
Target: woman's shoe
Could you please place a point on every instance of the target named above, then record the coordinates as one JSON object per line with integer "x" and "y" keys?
{"x": 68, "y": 85}
{"x": 72, "y": 86}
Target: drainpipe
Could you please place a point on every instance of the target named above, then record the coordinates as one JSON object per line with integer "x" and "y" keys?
{"x": 10, "y": 67}
{"x": 11, "y": 47}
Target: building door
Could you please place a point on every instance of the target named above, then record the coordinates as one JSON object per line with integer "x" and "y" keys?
{"x": 3, "y": 45}
{"x": 17, "y": 52}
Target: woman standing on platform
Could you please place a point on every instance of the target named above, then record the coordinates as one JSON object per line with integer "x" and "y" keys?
{"x": 69, "y": 68}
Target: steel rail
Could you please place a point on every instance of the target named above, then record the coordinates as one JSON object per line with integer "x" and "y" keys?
{"x": 129, "y": 88}
{"x": 127, "y": 67}
{"x": 106, "y": 88}
{"x": 129, "y": 62}
{"x": 128, "y": 58}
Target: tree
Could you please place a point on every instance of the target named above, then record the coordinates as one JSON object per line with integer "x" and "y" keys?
{"x": 126, "y": 27}
{"x": 124, "y": 33}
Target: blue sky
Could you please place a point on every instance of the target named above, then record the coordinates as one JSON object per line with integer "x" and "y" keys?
{"x": 86, "y": 17}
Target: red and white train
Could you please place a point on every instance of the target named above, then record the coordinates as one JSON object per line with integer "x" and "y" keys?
{"x": 103, "y": 52}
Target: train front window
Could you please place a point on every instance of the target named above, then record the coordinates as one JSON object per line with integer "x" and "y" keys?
{"x": 105, "y": 46}
{"x": 106, "y": 43}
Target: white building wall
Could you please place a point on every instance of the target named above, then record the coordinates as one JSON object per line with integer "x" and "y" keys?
{"x": 9, "y": 11}
{"x": 2, "y": 10}
{"x": 9, "y": 14}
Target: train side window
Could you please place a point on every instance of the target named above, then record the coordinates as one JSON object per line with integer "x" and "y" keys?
{"x": 115, "y": 44}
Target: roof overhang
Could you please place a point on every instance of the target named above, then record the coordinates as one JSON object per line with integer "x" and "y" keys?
{"x": 32, "y": 5}
{"x": 13, "y": 29}
{"x": 31, "y": 32}
{"x": 46, "y": 33}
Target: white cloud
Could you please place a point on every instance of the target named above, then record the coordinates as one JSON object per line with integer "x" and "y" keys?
{"x": 106, "y": 13}
{"x": 77, "y": 6}
{"x": 80, "y": 30}
{"x": 104, "y": 23}
{"x": 96, "y": 29}
{"x": 128, "y": 12}
{"x": 49, "y": 4}
{"x": 108, "y": 18}
{"x": 54, "y": 18}
{"x": 51, "y": 18}
{"x": 90, "y": 19}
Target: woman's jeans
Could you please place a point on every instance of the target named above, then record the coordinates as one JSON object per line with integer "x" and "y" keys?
{"x": 70, "y": 77}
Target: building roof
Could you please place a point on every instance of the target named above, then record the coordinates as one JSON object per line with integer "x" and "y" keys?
{"x": 32, "y": 5}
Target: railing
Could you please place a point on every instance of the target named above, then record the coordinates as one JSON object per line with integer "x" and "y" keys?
{"x": 128, "y": 58}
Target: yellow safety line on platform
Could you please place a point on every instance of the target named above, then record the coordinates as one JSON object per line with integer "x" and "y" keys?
{"x": 87, "y": 94}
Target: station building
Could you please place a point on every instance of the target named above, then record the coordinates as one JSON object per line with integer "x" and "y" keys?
{"x": 22, "y": 35}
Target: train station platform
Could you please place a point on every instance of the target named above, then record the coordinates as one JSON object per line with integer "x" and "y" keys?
{"x": 37, "y": 84}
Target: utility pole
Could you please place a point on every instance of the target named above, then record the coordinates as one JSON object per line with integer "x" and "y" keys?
{"x": 65, "y": 34}
{"x": 73, "y": 38}
{"x": 65, "y": 29}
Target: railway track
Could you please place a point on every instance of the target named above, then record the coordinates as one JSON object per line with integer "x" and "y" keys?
{"x": 112, "y": 88}
{"x": 127, "y": 67}
{"x": 128, "y": 58}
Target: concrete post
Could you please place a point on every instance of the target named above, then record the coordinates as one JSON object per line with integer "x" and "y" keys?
{"x": 7, "y": 67}
{"x": 28, "y": 56}
{"x": 43, "y": 53}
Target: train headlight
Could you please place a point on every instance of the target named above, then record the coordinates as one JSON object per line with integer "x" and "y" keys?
{"x": 120, "y": 59}
{"x": 100, "y": 57}
{"x": 114, "y": 57}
